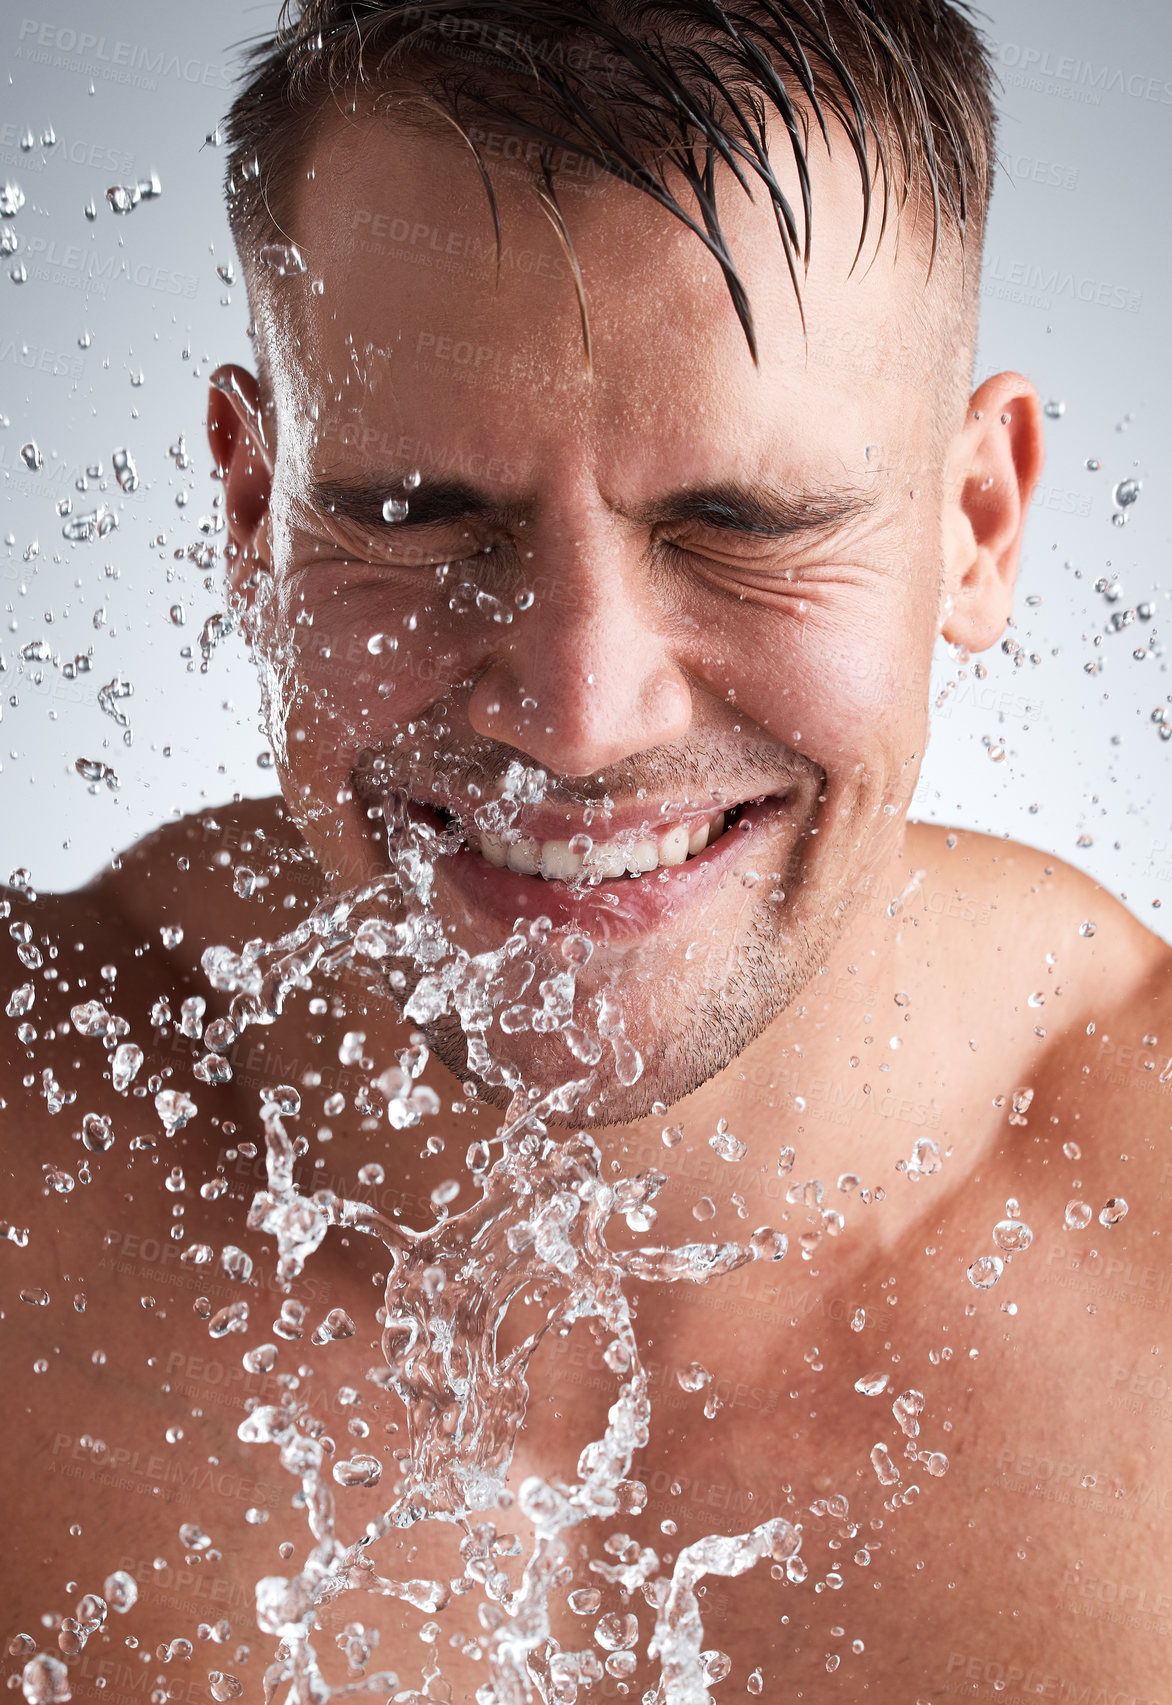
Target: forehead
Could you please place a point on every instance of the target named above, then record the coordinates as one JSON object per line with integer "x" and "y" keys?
{"x": 407, "y": 323}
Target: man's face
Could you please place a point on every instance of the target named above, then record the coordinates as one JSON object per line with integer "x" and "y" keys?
{"x": 677, "y": 584}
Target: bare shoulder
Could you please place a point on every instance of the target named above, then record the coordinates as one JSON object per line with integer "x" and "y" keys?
{"x": 1043, "y": 916}
{"x": 226, "y": 871}
{"x": 129, "y": 940}
{"x": 1094, "y": 988}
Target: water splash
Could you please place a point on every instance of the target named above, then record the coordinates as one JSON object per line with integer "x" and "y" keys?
{"x": 538, "y": 1229}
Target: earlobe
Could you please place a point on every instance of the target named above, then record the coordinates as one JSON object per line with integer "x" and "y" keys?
{"x": 993, "y": 468}
{"x": 243, "y": 458}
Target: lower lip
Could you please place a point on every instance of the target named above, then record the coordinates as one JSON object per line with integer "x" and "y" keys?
{"x": 629, "y": 907}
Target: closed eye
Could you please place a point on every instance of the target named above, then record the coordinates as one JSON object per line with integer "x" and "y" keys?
{"x": 731, "y": 548}
{"x": 401, "y": 545}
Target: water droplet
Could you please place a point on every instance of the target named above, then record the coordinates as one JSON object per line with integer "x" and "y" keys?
{"x": 727, "y": 1146}
{"x": 715, "y": 1665}
{"x": 358, "y": 1471}
{"x": 1113, "y": 1211}
{"x": 175, "y": 1107}
{"x": 616, "y": 1632}
{"x": 985, "y": 1271}
{"x": 233, "y": 1317}
{"x": 285, "y": 259}
{"x": 282, "y": 1098}
{"x": 124, "y": 1067}
{"x": 123, "y": 198}
{"x": 125, "y": 471}
{"x": 885, "y": 1470}
{"x": 350, "y": 1052}
{"x": 337, "y": 1324}
{"x": 45, "y": 1680}
{"x": 290, "y": 1321}
{"x": 95, "y": 772}
{"x": 1078, "y": 1215}
{"x": 1012, "y": 1235}
{"x": 262, "y": 1359}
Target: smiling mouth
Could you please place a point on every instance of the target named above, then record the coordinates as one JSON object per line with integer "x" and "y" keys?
{"x": 586, "y": 862}
{"x": 653, "y": 844}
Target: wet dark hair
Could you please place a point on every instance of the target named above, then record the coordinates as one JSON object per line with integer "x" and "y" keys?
{"x": 652, "y": 93}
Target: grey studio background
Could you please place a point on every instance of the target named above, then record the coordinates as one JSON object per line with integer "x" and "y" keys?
{"x": 109, "y": 325}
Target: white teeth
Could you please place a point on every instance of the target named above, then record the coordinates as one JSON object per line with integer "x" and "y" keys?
{"x": 642, "y": 857}
{"x": 493, "y": 848}
{"x": 673, "y": 848}
{"x": 524, "y": 856}
{"x": 558, "y": 863}
{"x": 606, "y": 860}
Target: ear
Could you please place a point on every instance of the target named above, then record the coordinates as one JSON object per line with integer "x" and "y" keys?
{"x": 244, "y": 462}
{"x": 993, "y": 468}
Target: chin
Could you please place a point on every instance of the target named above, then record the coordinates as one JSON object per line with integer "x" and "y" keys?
{"x": 686, "y": 1029}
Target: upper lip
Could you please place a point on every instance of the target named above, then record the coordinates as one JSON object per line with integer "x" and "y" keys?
{"x": 636, "y": 820}
{"x": 548, "y": 820}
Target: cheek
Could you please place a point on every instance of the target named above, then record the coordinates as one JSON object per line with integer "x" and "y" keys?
{"x": 853, "y": 684}
{"x": 344, "y": 663}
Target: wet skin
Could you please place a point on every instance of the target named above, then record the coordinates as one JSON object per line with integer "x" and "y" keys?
{"x": 1050, "y": 1417}
{"x": 735, "y": 574}
{"x": 691, "y": 676}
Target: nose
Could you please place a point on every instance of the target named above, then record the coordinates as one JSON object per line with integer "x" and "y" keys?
{"x": 585, "y": 677}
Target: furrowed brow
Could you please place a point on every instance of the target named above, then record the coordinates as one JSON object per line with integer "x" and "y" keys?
{"x": 763, "y": 511}
{"x": 432, "y": 503}
{"x": 759, "y": 510}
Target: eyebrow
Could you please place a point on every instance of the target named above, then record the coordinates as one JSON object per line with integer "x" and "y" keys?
{"x": 432, "y": 503}
{"x": 753, "y": 508}
{"x": 764, "y": 511}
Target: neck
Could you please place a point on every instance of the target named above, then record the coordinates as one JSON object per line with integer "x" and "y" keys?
{"x": 844, "y": 1078}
